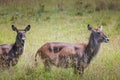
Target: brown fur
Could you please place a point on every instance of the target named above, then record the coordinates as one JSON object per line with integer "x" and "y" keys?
{"x": 68, "y": 55}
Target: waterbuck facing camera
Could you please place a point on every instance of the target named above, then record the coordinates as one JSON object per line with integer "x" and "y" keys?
{"x": 10, "y": 53}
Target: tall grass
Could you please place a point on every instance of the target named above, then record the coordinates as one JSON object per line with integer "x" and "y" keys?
{"x": 63, "y": 21}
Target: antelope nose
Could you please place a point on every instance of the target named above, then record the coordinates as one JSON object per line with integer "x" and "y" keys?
{"x": 23, "y": 39}
{"x": 107, "y": 40}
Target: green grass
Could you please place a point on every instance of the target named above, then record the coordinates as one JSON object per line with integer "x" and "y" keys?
{"x": 67, "y": 25}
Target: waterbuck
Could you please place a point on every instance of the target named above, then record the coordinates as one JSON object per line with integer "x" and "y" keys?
{"x": 77, "y": 56}
{"x": 10, "y": 53}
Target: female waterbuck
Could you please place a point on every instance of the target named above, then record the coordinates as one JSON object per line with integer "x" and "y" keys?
{"x": 68, "y": 55}
{"x": 10, "y": 53}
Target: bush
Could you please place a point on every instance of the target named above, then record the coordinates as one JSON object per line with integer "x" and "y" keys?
{"x": 114, "y": 5}
{"x": 100, "y": 5}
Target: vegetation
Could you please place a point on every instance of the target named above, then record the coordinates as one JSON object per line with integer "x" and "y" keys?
{"x": 64, "y": 21}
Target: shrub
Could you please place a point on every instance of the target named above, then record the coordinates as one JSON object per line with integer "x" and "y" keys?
{"x": 100, "y": 5}
{"x": 114, "y": 5}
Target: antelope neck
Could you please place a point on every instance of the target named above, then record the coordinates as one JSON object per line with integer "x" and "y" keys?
{"x": 92, "y": 48}
{"x": 17, "y": 49}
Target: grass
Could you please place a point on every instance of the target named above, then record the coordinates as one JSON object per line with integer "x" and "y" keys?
{"x": 65, "y": 25}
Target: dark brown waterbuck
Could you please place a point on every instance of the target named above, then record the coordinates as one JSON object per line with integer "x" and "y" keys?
{"x": 68, "y": 55}
{"x": 10, "y": 53}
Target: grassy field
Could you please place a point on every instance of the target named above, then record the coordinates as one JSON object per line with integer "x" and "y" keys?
{"x": 63, "y": 21}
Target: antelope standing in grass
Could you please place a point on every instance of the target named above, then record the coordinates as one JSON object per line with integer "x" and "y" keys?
{"x": 10, "y": 53}
{"x": 68, "y": 55}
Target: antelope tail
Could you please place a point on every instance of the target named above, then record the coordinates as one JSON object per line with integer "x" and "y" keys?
{"x": 37, "y": 53}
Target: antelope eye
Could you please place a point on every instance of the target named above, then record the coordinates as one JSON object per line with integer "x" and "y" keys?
{"x": 20, "y": 34}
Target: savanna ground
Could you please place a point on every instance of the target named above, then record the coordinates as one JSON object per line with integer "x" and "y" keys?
{"x": 63, "y": 21}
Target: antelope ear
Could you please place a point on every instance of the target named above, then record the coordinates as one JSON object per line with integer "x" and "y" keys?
{"x": 14, "y": 28}
{"x": 27, "y": 28}
{"x": 100, "y": 28}
{"x": 89, "y": 27}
